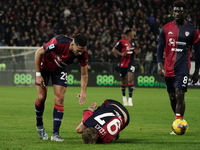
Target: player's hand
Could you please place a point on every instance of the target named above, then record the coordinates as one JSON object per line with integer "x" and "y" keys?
{"x": 195, "y": 76}
{"x": 124, "y": 54}
{"x": 82, "y": 98}
{"x": 161, "y": 70}
{"x": 40, "y": 81}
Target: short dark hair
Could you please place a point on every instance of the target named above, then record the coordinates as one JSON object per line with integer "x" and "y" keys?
{"x": 90, "y": 135}
{"x": 180, "y": 3}
{"x": 80, "y": 40}
{"x": 128, "y": 31}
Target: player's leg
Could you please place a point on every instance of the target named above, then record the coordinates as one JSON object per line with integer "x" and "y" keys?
{"x": 40, "y": 105}
{"x": 130, "y": 88}
{"x": 180, "y": 106}
{"x": 171, "y": 92}
{"x": 39, "y": 110}
{"x": 180, "y": 85}
{"x": 123, "y": 89}
{"x": 58, "y": 111}
{"x": 123, "y": 73}
{"x": 172, "y": 98}
{"x": 59, "y": 80}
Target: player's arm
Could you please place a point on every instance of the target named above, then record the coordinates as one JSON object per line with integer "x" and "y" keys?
{"x": 160, "y": 51}
{"x": 39, "y": 79}
{"x": 84, "y": 82}
{"x": 92, "y": 106}
{"x": 197, "y": 61}
{"x": 80, "y": 127}
{"x": 86, "y": 114}
{"x": 116, "y": 49}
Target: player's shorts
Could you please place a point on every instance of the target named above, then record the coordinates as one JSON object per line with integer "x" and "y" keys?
{"x": 108, "y": 102}
{"x": 179, "y": 82}
{"x": 123, "y": 71}
{"x": 58, "y": 77}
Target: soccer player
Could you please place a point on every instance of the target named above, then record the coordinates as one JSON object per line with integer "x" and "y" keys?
{"x": 125, "y": 48}
{"x": 103, "y": 124}
{"x": 176, "y": 39}
{"x": 51, "y": 60}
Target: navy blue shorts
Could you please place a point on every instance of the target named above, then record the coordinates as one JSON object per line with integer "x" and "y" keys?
{"x": 123, "y": 71}
{"x": 179, "y": 82}
{"x": 108, "y": 102}
{"x": 58, "y": 77}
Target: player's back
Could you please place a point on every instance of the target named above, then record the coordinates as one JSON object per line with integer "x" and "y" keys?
{"x": 107, "y": 121}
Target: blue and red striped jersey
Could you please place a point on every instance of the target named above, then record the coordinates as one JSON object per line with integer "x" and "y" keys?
{"x": 122, "y": 46}
{"x": 177, "y": 42}
{"x": 57, "y": 54}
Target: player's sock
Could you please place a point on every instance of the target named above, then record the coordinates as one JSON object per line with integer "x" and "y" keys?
{"x": 57, "y": 117}
{"x": 178, "y": 116}
{"x": 39, "y": 109}
{"x": 130, "y": 88}
{"x": 123, "y": 89}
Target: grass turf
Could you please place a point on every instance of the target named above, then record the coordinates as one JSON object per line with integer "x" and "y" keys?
{"x": 150, "y": 120}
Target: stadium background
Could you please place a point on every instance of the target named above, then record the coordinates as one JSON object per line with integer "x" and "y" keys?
{"x": 31, "y": 23}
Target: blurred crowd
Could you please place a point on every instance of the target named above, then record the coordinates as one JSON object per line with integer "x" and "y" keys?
{"x": 35, "y": 22}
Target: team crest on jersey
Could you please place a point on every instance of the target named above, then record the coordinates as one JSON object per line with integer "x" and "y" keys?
{"x": 75, "y": 60}
{"x": 187, "y": 33}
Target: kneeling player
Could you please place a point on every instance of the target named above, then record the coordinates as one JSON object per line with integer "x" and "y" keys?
{"x": 103, "y": 124}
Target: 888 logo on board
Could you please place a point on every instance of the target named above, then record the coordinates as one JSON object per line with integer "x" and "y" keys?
{"x": 23, "y": 79}
{"x": 105, "y": 80}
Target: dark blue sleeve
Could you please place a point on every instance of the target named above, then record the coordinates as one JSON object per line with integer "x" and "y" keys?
{"x": 197, "y": 54}
{"x": 161, "y": 46}
{"x": 119, "y": 46}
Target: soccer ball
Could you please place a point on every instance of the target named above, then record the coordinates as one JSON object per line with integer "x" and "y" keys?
{"x": 180, "y": 126}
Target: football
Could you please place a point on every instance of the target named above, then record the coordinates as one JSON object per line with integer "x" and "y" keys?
{"x": 180, "y": 126}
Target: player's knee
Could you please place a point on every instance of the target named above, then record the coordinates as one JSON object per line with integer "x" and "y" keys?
{"x": 59, "y": 99}
{"x": 180, "y": 95}
{"x": 41, "y": 98}
{"x": 172, "y": 96}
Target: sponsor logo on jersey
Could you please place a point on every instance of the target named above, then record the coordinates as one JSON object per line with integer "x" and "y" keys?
{"x": 187, "y": 33}
{"x": 75, "y": 60}
{"x": 181, "y": 43}
{"x": 176, "y": 49}
{"x": 172, "y": 42}
{"x": 170, "y": 32}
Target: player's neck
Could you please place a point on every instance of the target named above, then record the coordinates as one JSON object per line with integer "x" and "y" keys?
{"x": 128, "y": 38}
{"x": 70, "y": 46}
{"x": 181, "y": 23}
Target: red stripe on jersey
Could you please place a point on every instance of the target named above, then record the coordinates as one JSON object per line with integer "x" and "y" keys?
{"x": 86, "y": 115}
{"x": 171, "y": 36}
{"x": 196, "y": 37}
{"x": 52, "y": 41}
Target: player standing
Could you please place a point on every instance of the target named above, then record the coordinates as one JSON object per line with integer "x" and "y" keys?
{"x": 103, "y": 124}
{"x": 51, "y": 61}
{"x": 177, "y": 38}
{"x": 125, "y": 48}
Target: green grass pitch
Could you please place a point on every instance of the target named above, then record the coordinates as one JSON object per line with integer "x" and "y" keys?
{"x": 150, "y": 120}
